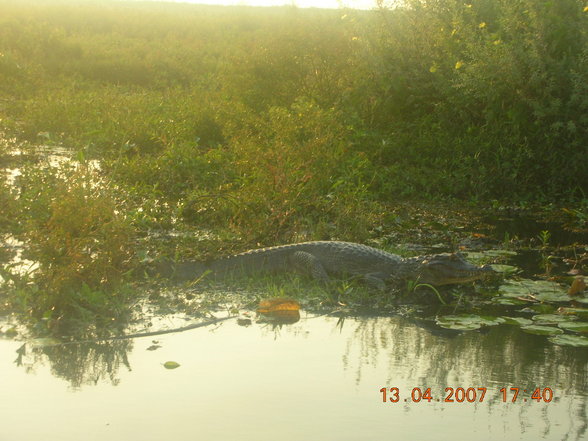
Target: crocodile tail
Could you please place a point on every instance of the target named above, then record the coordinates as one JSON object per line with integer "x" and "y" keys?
{"x": 249, "y": 263}
{"x": 178, "y": 271}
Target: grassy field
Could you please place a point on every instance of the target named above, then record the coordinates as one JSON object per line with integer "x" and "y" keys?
{"x": 261, "y": 126}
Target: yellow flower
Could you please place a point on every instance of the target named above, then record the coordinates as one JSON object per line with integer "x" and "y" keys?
{"x": 497, "y": 42}
{"x": 458, "y": 65}
{"x": 433, "y": 68}
{"x": 482, "y": 25}
{"x": 586, "y": 9}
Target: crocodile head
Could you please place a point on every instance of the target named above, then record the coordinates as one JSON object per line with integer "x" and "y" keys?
{"x": 449, "y": 268}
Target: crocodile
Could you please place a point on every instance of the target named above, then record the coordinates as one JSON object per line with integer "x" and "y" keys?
{"x": 322, "y": 259}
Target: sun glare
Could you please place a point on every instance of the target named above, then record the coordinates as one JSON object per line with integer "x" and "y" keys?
{"x": 330, "y": 4}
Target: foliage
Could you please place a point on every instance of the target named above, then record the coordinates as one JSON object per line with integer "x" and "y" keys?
{"x": 80, "y": 241}
{"x": 280, "y": 124}
{"x": 469, "y": 100}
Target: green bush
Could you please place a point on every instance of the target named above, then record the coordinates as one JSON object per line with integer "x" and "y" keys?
{"x": 77, "y": 236}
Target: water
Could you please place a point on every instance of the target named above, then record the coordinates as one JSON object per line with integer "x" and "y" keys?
{"x": 316, "y": 379}
{"x": 320, "y": 378}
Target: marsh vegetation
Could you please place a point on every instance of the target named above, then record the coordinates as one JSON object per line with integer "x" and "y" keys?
{"x": 198, "y": 131}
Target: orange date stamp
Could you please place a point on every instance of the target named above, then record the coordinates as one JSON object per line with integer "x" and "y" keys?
{"x": 467, "y": 395}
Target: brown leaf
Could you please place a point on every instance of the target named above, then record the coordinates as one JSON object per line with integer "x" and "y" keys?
{"x": 269, "y": 306}
{"x": 578, "y": 286}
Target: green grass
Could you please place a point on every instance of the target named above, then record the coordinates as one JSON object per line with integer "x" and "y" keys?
{"x": 264, "y": 126}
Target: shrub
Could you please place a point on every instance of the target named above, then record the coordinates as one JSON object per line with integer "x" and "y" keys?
{"x": 77, "y": 236}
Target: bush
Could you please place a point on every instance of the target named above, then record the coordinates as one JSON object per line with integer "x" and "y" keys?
{"x": 77, "y": 236}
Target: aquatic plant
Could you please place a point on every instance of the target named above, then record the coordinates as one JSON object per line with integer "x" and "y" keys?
{"x": 79, "y": 240}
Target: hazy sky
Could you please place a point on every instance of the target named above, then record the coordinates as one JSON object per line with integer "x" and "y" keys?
{"x": 360, "y": 4}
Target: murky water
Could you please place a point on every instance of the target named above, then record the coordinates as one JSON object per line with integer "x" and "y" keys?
{"x": 317, "y": 379}
{"x": 321, "y": 378}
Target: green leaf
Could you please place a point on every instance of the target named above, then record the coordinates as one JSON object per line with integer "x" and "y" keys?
{"x": 478, "y": 255}
{"x": 508, "y": 301}
{"x": 505, "y": 269}
{"x": 541, "y": 330}
{"x": 542, "y": 290}
{"x": 577, "y": 341}
{"x": 580, "y": 312}
{"x": 574, "y": 326}
{"x": 467, "y": 322}
{"x": 520, "y": 321}
{"x": 551, "y": 319}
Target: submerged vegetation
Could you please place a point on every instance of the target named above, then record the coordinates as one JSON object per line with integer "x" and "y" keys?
{"x": 243, "y": 126}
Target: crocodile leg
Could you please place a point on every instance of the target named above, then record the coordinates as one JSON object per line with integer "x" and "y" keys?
{"x": 375, "y": 281}
{"x": 309, "y": 264}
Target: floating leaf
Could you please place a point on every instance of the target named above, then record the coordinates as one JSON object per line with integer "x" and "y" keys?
{"x": 542, "y": 290}
{"x": 171, "y": 365}
{"x": 507, "y": 301}
{"x": 540, "y": 308}
{"x": 541, "y": 330}
{"x": 578, "y": 286}
{"x": 505, "y": 269}
{"x": 460, "y": 326}
{"x": 269, "y": 306}
{"x": 520, "y": 321}
{"x": 574, "y": 326}
{"x": 280, "y": 310}
{"x": 467, "y": 322}
{"x": 244, "y": 321}
{"x": 580, "y": 312}
{"x": 479, "y": 255}
{"x": 551, "y": 319}
{"x": 577, "y": 341}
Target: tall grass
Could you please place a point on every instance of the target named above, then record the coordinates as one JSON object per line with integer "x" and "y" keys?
{"x": 273, "y": 125}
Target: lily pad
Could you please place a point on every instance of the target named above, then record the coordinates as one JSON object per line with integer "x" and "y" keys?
{"x": 574, "y": 326}
{"x": 482, "y": 255}
{"x": 577, "y": 341}
{"x": 542, "y": 290}
{"x": 520, "y": 321}
{"x": 551, "y": 319}
{"x": 541, "y": 330}
{"x": 171, "y": 365}
{"x": 508, "y": 301}
{"x": 467, "y": 322}
{"x": 540, "y": 308}
{"x": 580, "y": 312}
{"x": 457, "y": 326}
{"x": 505, "y": 269}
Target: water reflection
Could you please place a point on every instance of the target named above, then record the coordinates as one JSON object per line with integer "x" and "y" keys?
{"x": 78, "y": 364}
{"x": 319, "y": 377}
